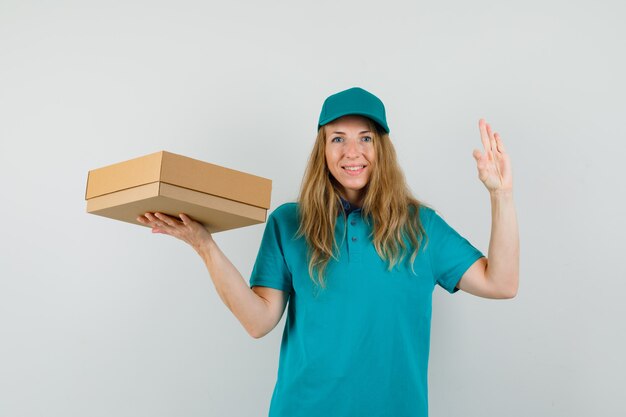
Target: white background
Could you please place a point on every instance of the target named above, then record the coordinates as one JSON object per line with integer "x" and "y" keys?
{"x": 102, "y": 318}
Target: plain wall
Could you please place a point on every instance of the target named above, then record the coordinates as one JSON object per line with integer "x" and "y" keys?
{"x": 103, "y": 318}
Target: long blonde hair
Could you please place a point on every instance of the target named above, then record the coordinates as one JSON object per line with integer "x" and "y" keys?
{"x": 388, "y": 206}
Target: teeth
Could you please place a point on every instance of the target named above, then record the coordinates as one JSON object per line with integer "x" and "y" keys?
{"x": 354, "y": 168}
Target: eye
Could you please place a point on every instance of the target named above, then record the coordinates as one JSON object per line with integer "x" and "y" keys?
{"x": 336, "y": 139}
{"x": 366, "y": 138}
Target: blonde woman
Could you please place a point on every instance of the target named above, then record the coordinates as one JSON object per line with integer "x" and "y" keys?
{"x": 357, "y": 258}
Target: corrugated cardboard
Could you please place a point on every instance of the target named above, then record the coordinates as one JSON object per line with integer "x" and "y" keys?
{"x": 219, "y": 198}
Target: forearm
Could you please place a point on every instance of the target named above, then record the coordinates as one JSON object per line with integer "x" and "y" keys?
{"x": 250, "y": 309}
{"x": 503, "y": 255}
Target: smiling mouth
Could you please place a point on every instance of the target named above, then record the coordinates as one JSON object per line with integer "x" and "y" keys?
{"x": 353, "y": 167}
{"x": 354, "y": 170}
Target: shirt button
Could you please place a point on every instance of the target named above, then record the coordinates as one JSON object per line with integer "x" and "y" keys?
{"x": 354, "y": 239}
{"x": 353, "y": 222}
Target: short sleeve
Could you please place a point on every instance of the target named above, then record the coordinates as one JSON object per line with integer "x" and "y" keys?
{"x": 450, "y": 253}
{"x": 270, "y": 268}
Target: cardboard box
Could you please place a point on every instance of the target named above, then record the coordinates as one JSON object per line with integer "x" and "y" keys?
{"x": 218, "y": 197}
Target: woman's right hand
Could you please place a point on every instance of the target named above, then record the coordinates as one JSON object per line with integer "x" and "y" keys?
{"x": 187, "y": 230}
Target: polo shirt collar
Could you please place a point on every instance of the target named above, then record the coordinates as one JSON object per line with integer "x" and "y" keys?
{"x": 347, "y": 207}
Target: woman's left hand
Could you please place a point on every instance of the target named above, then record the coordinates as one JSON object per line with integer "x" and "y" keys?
{"x": 494, "y": 166}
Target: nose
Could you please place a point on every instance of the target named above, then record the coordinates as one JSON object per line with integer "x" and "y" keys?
{"x": 351, "y": 148}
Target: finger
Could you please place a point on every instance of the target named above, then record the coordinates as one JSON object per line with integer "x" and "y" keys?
{"x": 477, "y": 155}
{"x": 155, "y": 222}
{"x": 492, "y": 140}
{"x": 170, "y": 221}
{"x": 494, "y": 151}
{"x": 186, "y": 219}
{"x": 145, "y": 220}
{"x": 495, "y": 155}
{"x": 151, "y": 218}
{"x": 499, "y": 143}
{"x": 484, "y": 136}
{"x": 189, "y": 221}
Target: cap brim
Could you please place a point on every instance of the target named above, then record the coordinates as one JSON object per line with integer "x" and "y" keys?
{"x": 368, "y": 115}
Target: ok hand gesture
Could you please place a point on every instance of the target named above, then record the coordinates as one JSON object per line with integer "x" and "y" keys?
{"x": 494, "y": 166}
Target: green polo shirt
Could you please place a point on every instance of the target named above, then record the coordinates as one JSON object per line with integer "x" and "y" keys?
{"x": 360, "y": 347}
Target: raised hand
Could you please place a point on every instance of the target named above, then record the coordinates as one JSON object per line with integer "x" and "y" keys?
{"x": 494, "y": 166}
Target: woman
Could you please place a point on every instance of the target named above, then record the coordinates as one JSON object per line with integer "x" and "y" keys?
{"x": 358, "y": 258}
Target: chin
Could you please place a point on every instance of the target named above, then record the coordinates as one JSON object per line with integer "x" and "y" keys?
{"x": 353, "y": 187}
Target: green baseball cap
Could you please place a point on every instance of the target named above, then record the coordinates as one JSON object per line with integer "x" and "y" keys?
{"x": 354, "y": 100}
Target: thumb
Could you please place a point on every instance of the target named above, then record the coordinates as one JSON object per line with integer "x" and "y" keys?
{"x": 477, "y": 155}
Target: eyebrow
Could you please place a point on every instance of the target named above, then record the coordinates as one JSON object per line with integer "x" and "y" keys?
{"x": 343, "y": 133}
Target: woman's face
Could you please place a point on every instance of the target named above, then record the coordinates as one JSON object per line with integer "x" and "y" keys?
{"x": 350, "y": 154}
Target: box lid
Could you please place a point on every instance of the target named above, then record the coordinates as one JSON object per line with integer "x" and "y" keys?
{"x": 181, "y": 171}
